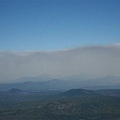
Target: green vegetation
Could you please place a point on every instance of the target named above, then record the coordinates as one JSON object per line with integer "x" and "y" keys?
{"x": 74, "y": 104}
{"x": 80, "y": 108}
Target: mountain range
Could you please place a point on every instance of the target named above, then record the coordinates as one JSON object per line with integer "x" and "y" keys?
{"x": 46, "y": 83}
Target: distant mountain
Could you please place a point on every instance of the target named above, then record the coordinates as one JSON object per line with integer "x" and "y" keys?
{"x": 5, "y": 87}
{"x": 109, "y": 80}
{"x": 23, "y": 95}
{"x": 16, "y": 91}
{"x": 34, "y": 83}
{"x": 26, "y": 95}
{"x": 109, "y": 92}
{"x": 14, "y": 94}
{"x": 84, "y": 92}
{"x": 78, "y": 93}
{"x": 46, "y": 85}
{"x": 41, "y": 78}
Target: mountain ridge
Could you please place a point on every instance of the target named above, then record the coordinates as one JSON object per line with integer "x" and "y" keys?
{"x": 101, "y": 83}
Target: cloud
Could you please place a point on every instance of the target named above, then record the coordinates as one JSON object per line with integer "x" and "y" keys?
{"x": 89, "y": 61}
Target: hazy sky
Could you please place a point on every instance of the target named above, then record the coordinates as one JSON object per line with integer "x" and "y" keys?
{"x": 58, "y": 24}
{"x": 88, "y": 62}
{"x": 51, "y": 37}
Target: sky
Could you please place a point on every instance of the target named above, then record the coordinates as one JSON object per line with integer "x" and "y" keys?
{"x": 89, "y": 62}
{"x": 59, "y": 38}
{"x": 58, "y": 24}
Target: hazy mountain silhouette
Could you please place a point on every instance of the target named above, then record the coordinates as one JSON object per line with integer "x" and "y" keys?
{"x": 57, "y": 84}
{"x": 78, "y": 93}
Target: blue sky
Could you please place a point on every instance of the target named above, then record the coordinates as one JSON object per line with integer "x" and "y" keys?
{"x": 58, "y": 24}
